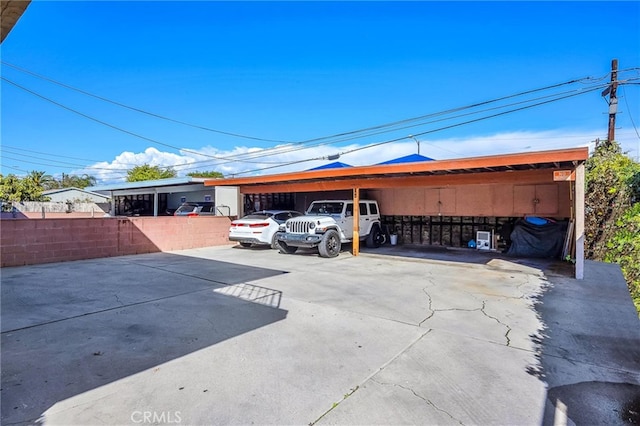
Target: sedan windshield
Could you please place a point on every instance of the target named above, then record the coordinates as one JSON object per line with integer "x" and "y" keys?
{"x": 259, "y": 216}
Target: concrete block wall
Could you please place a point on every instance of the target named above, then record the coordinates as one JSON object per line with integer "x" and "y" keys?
{"x": 29, "y": 242}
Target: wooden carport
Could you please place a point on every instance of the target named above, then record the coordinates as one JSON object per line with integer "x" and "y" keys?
{"x": 547, "y": 183}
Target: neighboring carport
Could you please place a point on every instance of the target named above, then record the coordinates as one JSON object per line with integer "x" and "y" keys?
{"x": 156, "y": 197}
{"x": 543, "y": 183}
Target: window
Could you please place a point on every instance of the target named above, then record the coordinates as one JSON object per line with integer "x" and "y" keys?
{"x": 325, "y": 208}
{"x": 373, "y": 209}
{"x": 283, "y": 216}
{"x": 259, "y": 216}
{"x": 363, "y": 209}
{"x": 349, "y": 211}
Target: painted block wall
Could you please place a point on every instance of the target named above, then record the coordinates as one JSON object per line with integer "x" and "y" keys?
{"x": 494, "y": 200}
{"x": 29, "y": 242}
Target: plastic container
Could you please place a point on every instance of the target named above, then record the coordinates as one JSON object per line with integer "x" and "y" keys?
{"x": 393, "y": 238}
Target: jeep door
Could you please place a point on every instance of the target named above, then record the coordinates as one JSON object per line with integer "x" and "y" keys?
{"x": 346, "y": 221}
{"x": 365, "y": 220}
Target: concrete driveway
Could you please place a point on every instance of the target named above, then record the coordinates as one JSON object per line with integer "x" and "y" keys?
{"x": 227, "y": 335}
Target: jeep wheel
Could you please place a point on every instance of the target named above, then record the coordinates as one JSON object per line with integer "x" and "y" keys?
{"x": 330, "y": 245}
{"x": 246, "y": 245}
{"x": 375, "y": 238}
{"x": 285, "y": 249}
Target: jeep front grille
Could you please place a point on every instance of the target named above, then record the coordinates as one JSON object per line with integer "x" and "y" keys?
{"x": 299, "y": 227}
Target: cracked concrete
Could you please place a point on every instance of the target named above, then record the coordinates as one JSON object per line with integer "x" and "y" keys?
{"x": 421, "y": 397}
{"x": 232, "y": 336}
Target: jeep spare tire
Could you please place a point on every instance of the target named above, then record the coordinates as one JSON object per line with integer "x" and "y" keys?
{"x": 330, "y": 244}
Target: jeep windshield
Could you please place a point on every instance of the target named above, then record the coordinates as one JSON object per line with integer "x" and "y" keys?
{"x": 325, "y": 208}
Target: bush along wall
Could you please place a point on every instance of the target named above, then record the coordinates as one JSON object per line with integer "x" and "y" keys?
{"x": 612, "y": 219}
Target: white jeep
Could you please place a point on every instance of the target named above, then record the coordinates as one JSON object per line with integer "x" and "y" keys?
{"x": 327, "y": 224}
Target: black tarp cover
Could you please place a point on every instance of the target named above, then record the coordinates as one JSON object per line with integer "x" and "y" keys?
{"x": 529, "y": 240}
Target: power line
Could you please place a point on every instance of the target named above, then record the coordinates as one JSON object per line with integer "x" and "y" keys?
{"x": 12, "y": 148}
{"x": 279, "y": 150}
{"x": 108, "y": 124}
{"x": 188, "y": 166}
{"x": 630, "y": 114}
{"x": 345, "y": 136}
{"x": 442, "y": 128}
{"x": 14, "y": 168}
{"x": 84, "y": 92}
{"x": 291, "y": 149}
{"x": 68, "y": 165}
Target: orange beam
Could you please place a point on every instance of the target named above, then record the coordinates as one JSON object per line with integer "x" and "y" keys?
{"x": 518, "y": 177}
{"x": 561, "y": 155}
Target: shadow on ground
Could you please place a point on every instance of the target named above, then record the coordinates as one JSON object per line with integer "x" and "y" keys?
{"x": 589, "y": 349}
{"x": 72, "y": 327}
{"x": 473, "y": 256}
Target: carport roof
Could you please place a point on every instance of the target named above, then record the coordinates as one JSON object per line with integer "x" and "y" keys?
{"x": 11, "y": 11}
{"x": 555, "y": 159}
{"x": 147, "y": 184}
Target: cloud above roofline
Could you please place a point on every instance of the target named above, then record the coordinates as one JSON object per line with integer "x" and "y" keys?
{"x": 247, "y": 161}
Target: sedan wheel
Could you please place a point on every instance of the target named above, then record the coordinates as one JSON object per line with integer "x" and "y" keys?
{"x": 275, "y": 244}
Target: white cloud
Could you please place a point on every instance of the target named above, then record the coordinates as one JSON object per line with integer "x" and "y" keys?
{"x": 253, "y": 160}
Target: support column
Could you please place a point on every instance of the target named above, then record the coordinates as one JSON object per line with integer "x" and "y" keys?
{"x": 155, "y": 202}
{"x": 356, "y": 221}
{"x": 579, "y": 209}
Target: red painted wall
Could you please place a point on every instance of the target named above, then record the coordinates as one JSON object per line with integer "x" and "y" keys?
{"x": 30, "y": 241}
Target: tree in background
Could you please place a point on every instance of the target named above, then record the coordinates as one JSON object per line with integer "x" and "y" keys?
{"x": 206, "y": 174}
{"x": 11, "y": 188}
{"x": 16, "y": 189}
{"x": 75, "y": 181}
{"x": 30, "y": 187}
{"x": 70, "y": 181}
{"x": 612, "y": 216}
{"x": 40, "y": 179}
{"x": 147, "y": 172}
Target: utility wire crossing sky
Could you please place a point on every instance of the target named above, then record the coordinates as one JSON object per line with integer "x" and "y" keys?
{"x": 256, "y": 88}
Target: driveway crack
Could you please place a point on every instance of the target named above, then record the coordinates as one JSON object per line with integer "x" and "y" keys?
{"x": 370, "y": 377}
{"x": 506, "y": 335}
{"x": 118, "y": 299}
{"x": 428, "y": 401}
{"x": 432, "y": 312}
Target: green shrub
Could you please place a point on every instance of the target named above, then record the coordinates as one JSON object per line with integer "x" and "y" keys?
{"x": 624, "y": 249}
{"x": 612, "y": 212}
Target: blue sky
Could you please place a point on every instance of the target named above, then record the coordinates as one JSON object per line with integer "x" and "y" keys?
{"x": 289, "y": 72}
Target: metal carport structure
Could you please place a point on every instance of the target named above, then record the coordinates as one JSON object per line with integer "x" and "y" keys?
{"x": 508, "y": 184}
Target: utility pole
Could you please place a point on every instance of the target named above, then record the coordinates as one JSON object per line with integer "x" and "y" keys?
{"x": 613, "y": 102}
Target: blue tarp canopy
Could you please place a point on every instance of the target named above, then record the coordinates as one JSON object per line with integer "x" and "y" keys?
{"x": 411, "y": 158}
{"x": 334, "y": 165}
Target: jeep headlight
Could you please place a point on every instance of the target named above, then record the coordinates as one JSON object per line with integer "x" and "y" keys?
{"x": 312, "y": 225}
{"x": 287, "y": 224}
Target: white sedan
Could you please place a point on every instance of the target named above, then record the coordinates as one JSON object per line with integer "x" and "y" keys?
{"x": 260, "y": 228}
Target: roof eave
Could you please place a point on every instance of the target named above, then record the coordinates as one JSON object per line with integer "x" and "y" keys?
{"x": 484, "y": 162}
